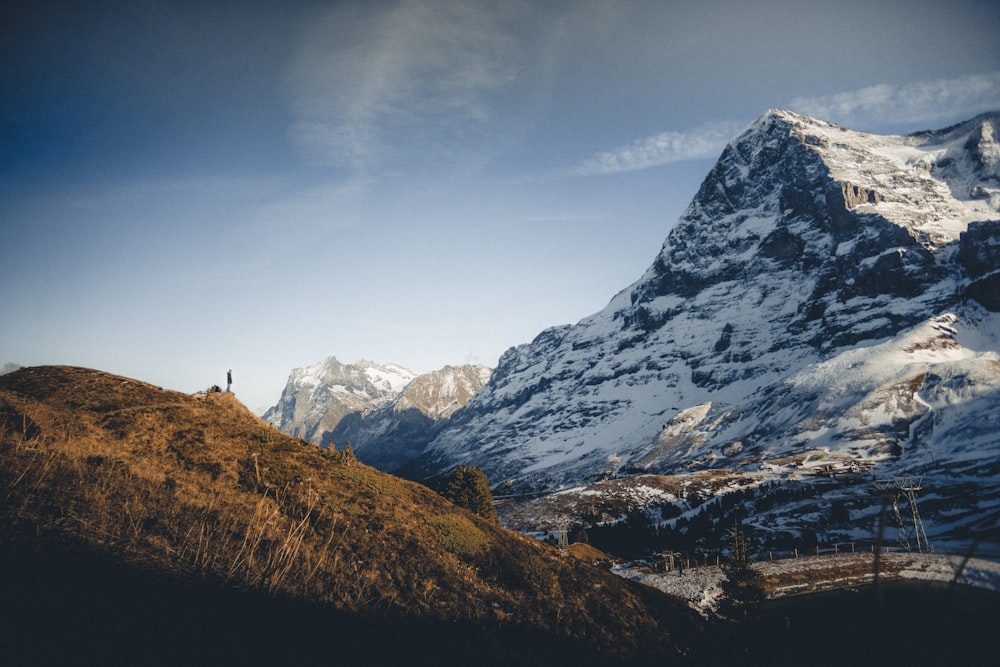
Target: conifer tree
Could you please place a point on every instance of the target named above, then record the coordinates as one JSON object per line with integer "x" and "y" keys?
{"x": 467, "y": 486}
{"x": 742, "y": 589}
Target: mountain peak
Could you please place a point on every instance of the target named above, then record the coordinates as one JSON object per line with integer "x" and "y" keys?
{"x": 331, "y": 403}
{"x": 805, "y": 243}
{"x": 317, "y": 397}
{"x": 789, "y": 117}
{"x": 390, "y": 437}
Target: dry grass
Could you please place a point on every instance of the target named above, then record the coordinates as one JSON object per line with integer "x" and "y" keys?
{"x": 198, "y": 487}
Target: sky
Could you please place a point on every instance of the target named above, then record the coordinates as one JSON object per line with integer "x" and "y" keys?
{"x": 191, "y": 187}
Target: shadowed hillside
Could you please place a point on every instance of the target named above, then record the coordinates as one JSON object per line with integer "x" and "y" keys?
{"x": 156, "y": 509}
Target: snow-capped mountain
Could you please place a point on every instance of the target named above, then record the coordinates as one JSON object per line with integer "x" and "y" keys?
{"x": 395, "y": 434}
{"x": 317, "y": 397}
{"x": 827, "y": 301}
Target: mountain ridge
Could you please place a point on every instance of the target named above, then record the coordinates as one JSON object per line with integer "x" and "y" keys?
{"x": 808, "y": 249}
{"x": 317, "y": 397}
{"x": 391, "y": 436}
{"x": 388, "y": 413}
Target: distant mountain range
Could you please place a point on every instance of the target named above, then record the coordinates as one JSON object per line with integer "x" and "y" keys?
{"x": 317, "y": 397}
{"x": 392, "y": 436}
{"x": 827, "y": 304}
{"x": 387, "y": 413}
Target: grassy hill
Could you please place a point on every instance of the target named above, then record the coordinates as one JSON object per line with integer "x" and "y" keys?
{"x": 134, "y": 519}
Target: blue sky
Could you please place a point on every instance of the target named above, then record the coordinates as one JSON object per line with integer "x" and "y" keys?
{"x": 187, "y": 187}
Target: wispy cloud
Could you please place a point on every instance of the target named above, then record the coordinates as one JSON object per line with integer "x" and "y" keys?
{"x": 705, "y": 141}
{"x": 913, "y": 103}
{"x": 304, "y": 215}
{"x": 368, "y": 80}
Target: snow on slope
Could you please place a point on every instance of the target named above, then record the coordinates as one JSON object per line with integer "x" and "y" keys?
{"x": 439, "y": 393}
{"x": 395, "y": 434}
{"x": 317, "y": 397}
{"x": 387, "y": 412}
{"x": 828, "y": 297}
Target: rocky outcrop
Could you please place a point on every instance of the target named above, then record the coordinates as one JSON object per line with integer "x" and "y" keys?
{"x": 855, "y": 195}
{"x": 979, "y": 254}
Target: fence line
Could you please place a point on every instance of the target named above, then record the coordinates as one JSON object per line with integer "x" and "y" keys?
{"x": 670, "y": 561}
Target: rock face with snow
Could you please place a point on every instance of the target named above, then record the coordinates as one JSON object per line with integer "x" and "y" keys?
{"x": 388, "y": 413}
{"x": 828, "y": 299}
{"x": 395, "y": 434}
{"x": 317, "y": 397}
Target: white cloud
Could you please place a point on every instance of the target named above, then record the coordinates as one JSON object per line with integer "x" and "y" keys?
{"x": 919, "y": 102}
{"x": 925, "y": 101}
{"x": 367, "y": 82}
{"x": 705, "y": 141}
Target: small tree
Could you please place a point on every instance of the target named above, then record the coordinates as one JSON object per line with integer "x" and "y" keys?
{"x": 742, "y": 589}
{"x": 348, "y": 456}
{"x": 468, "y": 487}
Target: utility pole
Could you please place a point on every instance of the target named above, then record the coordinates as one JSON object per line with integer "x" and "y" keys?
{"x": 895, "y": 488}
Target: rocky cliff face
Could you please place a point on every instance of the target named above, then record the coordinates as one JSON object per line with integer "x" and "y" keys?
{"x": 828, "y": 298}
{"x": 392, "y": 436}
{"x": 317, "y": 397}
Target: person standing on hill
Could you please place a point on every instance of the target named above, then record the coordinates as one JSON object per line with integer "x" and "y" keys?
{"x": 229, "y": 380}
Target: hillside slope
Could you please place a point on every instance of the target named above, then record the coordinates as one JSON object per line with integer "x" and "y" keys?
{"x": 197, "y": 492}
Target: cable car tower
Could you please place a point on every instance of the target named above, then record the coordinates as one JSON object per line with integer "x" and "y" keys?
{"x": 893, "y": 489}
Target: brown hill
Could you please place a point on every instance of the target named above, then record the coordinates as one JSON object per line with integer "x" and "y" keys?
{"x": 107, "y": 480}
